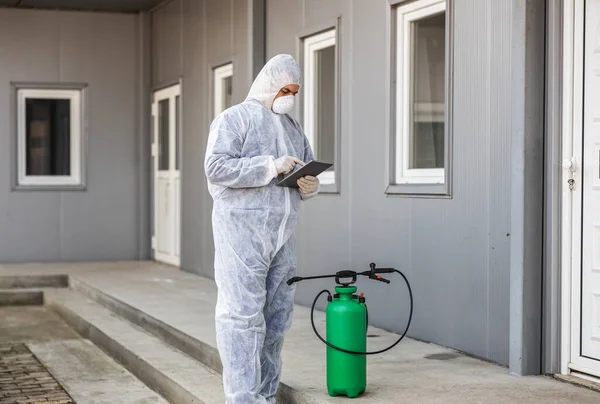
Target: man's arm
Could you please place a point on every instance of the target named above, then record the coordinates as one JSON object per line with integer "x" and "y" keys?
{"x": 224, "y": 165}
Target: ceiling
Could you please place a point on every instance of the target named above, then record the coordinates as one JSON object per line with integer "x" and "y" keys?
{"x": 126, "y": 6}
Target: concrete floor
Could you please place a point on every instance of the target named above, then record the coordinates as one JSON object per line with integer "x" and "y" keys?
{"x": 414, "y": 372}
{"x": 32, "y": 324}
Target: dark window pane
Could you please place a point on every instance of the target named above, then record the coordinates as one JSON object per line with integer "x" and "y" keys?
{"x": 177, "y": 133}
{"x": 163, "y": 135}
{"x": 428, "y": 145}
{"x": 428, "y": 94}
{"x": 227, "y": 91}
{"x": 325, "y": 105}
{"x": 48, "y": 137}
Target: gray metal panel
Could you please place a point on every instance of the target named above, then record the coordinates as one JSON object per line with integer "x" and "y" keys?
{"x": 95, "y": 5}
{"x": 498, "y": 29}
{"x": 101, "y": 224}
{"x": 456, "y": 252}
{"x": 241, "y": 51}
{"x": 281, "y": 29}
{"x": 258, "y": 38}
{"x": 326, "y": 215}
{"x": 29, "y": 222}
{"x": 97, "y": 49}
{"x": 553, "y": 191}
{"x": 167, "y": 45}
{"x": 210, "y": 33}
{"x": 220, "y": 30}
{"x": 196, "y": 233}
{"x": 527, "y": 167}
{"x": 144, "y": 135}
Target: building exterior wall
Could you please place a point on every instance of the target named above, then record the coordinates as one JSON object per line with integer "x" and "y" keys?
{"x": 102, "y": 221}
{"x": 189, "y": 39}
{"x": 456, "y": 252}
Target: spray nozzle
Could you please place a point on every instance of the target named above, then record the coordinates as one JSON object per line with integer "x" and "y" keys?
{"x": 294, "y": 280}
{"x": 375, "y": 270}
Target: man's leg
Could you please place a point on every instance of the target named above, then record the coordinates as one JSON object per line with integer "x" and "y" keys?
{"x": 278, "y": 317}
{"x": 241, "y": 280}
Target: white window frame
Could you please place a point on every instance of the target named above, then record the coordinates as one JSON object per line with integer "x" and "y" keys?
{"x": 313, "y": 44}
{"x": 220, "y": 74}
{"x": 403, "y": 174}
{"x": 75, "y": 179}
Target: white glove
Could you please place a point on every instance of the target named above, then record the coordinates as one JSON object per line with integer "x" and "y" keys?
{"x": 309, "y": 185}
{"x": 286, "y": 164}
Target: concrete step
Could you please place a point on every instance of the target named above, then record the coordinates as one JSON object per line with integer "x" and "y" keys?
{"x": 33, "y": 281}
{"x": 199, "y": 350}
{"x": 171, "y": 373}
{"x": 90, "y": 376}
{"x": 192, "y": 346}
{"x": 21, "y": 297}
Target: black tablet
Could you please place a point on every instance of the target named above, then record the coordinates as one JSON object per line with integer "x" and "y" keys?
{"x": 312, "y": 168}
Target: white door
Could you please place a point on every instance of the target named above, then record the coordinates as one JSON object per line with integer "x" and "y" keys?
{"x": 590, "y": 257}
{"x": 166, "y": 157}
{"x": 585, "y": 248}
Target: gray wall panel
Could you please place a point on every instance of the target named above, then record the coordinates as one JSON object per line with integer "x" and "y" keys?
{"x": 29, "y": 222}
{"x": 99, "y": 50}
{"x": 241, "y": 51}
{"x": 284, "y": 22}
{"x": 499, "y": 29}
{"x": 553, "y": 190}
{"x": 220, "y": 26}
{"x": 112, "y": 163}
{"x": 196, "y": 237}
{"x": 455, "y": 251}
{"x": 328, "y": 215}
{"x": 167, "y": 43}
{"x": 527, "y": 174}
{"x": 212, "y": 32}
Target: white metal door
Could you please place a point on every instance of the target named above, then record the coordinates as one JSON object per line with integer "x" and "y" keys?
{"x": 166, "y": 157}
{"x": 585, "y": 203}
{"x": 590, "y": 257}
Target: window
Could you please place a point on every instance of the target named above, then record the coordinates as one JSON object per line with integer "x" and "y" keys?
{"x": 164, "y": 140}
{"x": 49, "y": 137}
{"x": 223, "y": 81}
{"x": 421, "y": 130}
{"x": 320, "y": 103}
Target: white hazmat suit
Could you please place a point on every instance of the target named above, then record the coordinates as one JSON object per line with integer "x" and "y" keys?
{"x": 253, "y": 225}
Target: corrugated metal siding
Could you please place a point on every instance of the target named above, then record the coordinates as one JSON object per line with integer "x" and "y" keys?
{"x": 100, "y": 50}
{"x": 323, "y": 240}
{"x": 499, "y": 29}
{"x": 455, "y": 252}
{"x": 167, "y": 46}
{"x": 190, "y": 38}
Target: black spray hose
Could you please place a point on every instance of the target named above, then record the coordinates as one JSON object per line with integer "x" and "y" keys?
{"x": 312, "y": 321}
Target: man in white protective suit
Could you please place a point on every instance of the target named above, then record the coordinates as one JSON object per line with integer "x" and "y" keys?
{"x": 250, "y": 145}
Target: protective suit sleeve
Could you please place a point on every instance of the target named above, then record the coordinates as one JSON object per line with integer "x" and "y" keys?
{"x": 224, "y": 165}
{"x": 308, "y": 156}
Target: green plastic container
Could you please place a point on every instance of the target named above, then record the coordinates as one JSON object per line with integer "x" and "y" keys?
{"x": 347, "y": 329}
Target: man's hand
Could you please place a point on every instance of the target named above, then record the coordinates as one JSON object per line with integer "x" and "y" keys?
{"x": 308, "y": 184}
{"x": 286, "y": 164}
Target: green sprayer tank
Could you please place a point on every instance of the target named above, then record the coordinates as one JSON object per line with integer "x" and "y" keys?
{"x": 346, "y": 317}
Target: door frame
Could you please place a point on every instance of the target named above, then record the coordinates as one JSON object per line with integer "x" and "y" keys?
{"x": 571, "y": 220}
{"x": 169, "y": 92}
